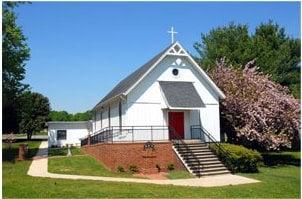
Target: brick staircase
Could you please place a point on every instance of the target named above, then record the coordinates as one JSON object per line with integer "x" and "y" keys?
{"x": 199, "y": 159}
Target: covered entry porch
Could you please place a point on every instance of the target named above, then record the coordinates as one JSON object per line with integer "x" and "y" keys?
{"x": 182, "y": 112}
{"x": 183, "y": 124}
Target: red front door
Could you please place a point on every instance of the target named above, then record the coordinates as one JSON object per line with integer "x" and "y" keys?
{"x": 176, "y": 123}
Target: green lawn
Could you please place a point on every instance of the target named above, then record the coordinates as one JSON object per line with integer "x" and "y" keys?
{"x": 179, "y": 175}
{"x": 279, "y": 181}
{"x": 63, "y": 151}
{"x": 81, "y": 165}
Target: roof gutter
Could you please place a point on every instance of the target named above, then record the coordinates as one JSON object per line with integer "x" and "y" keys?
{"x": 120, "y": 96}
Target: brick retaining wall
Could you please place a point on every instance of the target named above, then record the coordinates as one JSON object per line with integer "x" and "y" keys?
{"x": 113, "y": 155}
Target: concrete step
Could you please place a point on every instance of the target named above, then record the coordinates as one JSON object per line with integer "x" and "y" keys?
{"x": 200, "y": 159}
{"x": 193, "y": 141}
{"x": 197, "y": 153}
{"x": 211, "y": 162}
{"x": 193, "y": 144}
{"x": 203, "y": 160}
{"x": 202, "y": 156}
{"x": 192, "y": 164}
{"x": 201, "y": 149}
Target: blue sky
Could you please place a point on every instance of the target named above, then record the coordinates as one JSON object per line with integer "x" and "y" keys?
{"x": 80, "y": 51}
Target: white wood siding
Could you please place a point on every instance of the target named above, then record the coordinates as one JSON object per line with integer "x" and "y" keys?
{"x": 114, "y": 114}
{"x": 145, "y": 102}
{"x": 98, "y": 120}
{"x": 74, "y": 132}
{"x": 145, "y": 105}
{"x": 210, "y": 120}
{"x": 105, "y": 118}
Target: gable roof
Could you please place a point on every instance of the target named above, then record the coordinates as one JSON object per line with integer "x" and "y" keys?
{"x": 124, "y": 86}
{"x": 130, "y": 80}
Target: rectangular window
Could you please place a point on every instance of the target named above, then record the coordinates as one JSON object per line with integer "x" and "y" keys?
{"x": 61, "y": 134}
{"x": 109, "y": 119}
{"x": 120, "y": 113}
{"x": 94, "y": 120}
{"x": 101, "y": 119}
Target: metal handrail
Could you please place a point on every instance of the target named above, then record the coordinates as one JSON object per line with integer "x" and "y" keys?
{"x": 125, "y": 127}
{"x": 180, "y": 139}
{"x": 106, "y": 134}
{"x": 213, "y": 140}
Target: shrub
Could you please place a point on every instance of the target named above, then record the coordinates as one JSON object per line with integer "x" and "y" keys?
{"x": 133, "y": 168}
{"x": 120, "y": 169}
{"x": 239, "y": 158}
{"x": 170, "y": 167}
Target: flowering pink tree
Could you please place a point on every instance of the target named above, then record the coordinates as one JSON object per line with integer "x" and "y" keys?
{"x": 257, "y": 112}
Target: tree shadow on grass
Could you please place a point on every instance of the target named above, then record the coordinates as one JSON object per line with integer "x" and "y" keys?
{"x": 10, "y": 154}
{"x": 275, "y": 159}
{"x": 64, "y": 151}
{"x": 57, "y": 151}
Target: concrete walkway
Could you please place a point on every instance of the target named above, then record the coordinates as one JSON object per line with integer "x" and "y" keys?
{"x": 38, "y": 168}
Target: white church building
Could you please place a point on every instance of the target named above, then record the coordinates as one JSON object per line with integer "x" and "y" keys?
{"x": 169, "y": 93}
{"x": 169, "y": 97}
{"x": 163, "y": 113}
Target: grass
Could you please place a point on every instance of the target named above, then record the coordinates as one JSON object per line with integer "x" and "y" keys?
{"x": 87, "y": 165}
{"x": 279, "y": 181}
{"x": 63, "y": 151}
{"x": 81, "y": 165}
{"x": 10, "y": 154}
{"x": 179, "y": 175}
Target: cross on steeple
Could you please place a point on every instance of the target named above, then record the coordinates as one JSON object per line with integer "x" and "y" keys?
{"x": 172, "y": 32}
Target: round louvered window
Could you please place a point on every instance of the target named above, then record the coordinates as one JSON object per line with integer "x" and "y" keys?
{"x": 175, "y": 71}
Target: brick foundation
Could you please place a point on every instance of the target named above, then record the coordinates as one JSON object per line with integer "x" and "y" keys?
{"x": 113, "y": 155}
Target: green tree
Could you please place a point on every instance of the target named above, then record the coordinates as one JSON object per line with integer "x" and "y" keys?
{"x": 275, "y": 53}
{"x": 278, "y": 55}
{"x": 60, "y": 116}
{"x": 65, "y": 116}
{"x": 82, "y": 116}
{"x": 232, "y": 42}
{"x": 15, "y": 53}
{"x": 34, "y": 112}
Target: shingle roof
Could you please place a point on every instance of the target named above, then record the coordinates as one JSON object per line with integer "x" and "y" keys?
{"x": 130, "y": 80}
{"x": 181, "y": 94}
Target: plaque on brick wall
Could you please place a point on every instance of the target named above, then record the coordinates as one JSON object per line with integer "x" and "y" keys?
{"x": 149, "y": 145}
